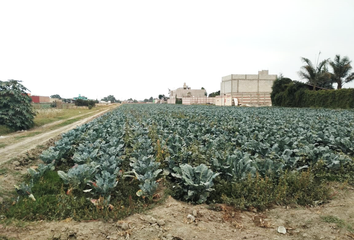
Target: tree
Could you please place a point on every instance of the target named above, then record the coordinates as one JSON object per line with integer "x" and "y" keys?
{"x": 341, "y": 71}
{"x": 213, "y": 94}
{"x": 16, "y": 111}
{"x": 206, "y": 94}
{"x": 151, "y": 99}
{"x": 56, "y": 96}
{"x": 82, "y": 102}
{"x": 316, "y": 76}
{"x": 279, "y": 86}
{"x": 109, "y": 98}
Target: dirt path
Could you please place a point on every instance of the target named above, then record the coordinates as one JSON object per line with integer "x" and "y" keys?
{"x": 29, "y": 143}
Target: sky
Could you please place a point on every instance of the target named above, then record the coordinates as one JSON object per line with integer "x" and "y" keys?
{"x": 138, "y": 48}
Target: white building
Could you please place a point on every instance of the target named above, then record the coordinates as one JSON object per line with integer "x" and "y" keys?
{"x": 187, "y": 92}
{"x": 246, "y": 89}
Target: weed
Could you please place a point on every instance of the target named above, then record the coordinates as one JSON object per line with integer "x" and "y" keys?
{"x": 4, "y": 130}
{"x": 3, "y": 171}
{"x": 28, "y": 135}
{"x": 261, "y": 193}
{"x": 4, "y": 238}
{"x": 333, "y": 219}
{"x": 53, "y": 202}
{"x": 343, "y": 174}
{"x": 339, "y": 222}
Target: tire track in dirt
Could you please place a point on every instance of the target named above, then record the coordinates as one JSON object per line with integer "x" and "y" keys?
{"x": 9, "y": 152}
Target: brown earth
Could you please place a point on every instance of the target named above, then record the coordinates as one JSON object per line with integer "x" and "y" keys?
{"x": 176, "y": 220}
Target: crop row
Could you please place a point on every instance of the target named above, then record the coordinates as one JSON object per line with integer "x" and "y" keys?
{"x": 195, "y": 144}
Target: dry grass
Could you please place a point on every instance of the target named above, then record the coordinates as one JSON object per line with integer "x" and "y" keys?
{"x": 51, "y": 115}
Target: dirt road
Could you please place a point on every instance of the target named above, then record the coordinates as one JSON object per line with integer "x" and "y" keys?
{"x": 29, "y": 143}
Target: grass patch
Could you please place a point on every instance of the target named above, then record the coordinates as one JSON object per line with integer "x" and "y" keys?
{"x": 4, "y": 130}
{"x": 31, "y": 134}
{"x": 333, "y": 219}
{"x": 339, "y": 222}
{"x": 46, "y": 116}
{"x": 70, "y": 121}
{"x": 5, "y": 238}
{"x": 3, "y": 171}
{"x": 2, "y": 145}
{"x": 53, "y": 202}
{"x": 261, "y": 193}
{"x": 343, "y": 174}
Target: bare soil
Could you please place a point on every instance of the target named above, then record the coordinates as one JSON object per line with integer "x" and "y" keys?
{"x": 176, "y": 220}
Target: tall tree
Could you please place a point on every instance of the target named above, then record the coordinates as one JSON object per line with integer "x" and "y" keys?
{"x": 109, "y": 98}
{"x": 16, "y": 111}
{"x": 56, "y": 96}
{"x": 341, "y": 70}
{"x": 316, "y": 76}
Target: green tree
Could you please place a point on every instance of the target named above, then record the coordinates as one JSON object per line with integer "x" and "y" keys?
{"x": 213, "y": 94}
{"x": 316, "y": 76}
{"x": 206, "y": 94}
{"x": 56, "y": 96}
{"x": 16, "y": 111}
{"x": 83, "y": 102}
{"x": 109, "y": 98}
{"x": 341, "y": 71}
{"x": 279, "y": 86}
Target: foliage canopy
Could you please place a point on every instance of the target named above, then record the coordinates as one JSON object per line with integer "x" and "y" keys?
{"x": 16, "y": 111}
{"x": 341, "y": 71}
{"x": 317, "y": 76}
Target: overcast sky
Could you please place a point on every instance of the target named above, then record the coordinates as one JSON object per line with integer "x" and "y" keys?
{"x": 137, "y": 49}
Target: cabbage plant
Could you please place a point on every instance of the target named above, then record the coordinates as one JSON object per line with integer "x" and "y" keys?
{"x": 197, "y": 182}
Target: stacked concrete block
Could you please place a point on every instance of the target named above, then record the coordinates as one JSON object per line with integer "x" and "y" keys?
{"x": 248, "y": 89}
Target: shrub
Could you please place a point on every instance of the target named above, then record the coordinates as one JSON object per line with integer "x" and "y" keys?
{"x": 16, "y": 111}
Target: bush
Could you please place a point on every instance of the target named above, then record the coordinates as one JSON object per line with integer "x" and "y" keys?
{"x": 256, "y": 192}
{"x": 278, "y": 87}
{"x": 88, "y": 103}
{"x": 16, "y": 111}
{"x": 288, "y": 93}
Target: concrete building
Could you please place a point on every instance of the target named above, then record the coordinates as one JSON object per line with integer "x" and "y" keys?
{"x": 246, "y": 89}
{"x": 187, "y": 92}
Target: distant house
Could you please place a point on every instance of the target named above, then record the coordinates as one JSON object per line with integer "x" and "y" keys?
{"x": 40, "y": 99}
{"x": 80, "y": 97}
{"x": 186, "y": 91}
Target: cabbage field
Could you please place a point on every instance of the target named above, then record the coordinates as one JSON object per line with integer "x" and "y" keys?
{"x": 193, "y": 146}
